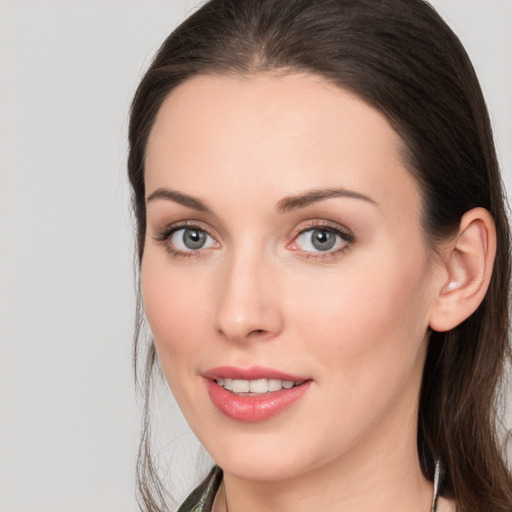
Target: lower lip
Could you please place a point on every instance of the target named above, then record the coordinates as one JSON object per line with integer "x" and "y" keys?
{"x": 252, "y": 409}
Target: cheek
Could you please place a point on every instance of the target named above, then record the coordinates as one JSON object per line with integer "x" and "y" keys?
{"x": 177, "y": 308}
{"x": 176, "y": 305}
{"x": 367, "y": 319}
{"x": 364, "y": 334}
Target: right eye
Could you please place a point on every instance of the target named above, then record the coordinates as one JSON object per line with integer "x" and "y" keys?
{"x": 190, "y": 239}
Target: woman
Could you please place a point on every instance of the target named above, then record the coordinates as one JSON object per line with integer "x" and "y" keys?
{"x": 324, "y": 257}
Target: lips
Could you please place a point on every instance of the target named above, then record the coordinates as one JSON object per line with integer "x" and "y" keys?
{"x": 254, "y": 394}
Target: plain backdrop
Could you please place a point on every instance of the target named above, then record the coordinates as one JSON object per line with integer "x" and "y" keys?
{"x": 69, "y": 420}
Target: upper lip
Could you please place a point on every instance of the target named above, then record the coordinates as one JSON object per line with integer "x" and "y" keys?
{"x": 251, "y": 373}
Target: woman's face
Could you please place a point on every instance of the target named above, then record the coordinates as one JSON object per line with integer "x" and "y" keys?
{"x": 284, "y": 244}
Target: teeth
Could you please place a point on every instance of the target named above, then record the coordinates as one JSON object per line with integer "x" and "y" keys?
{"x": 274, "y": 384}
{"x": 257, "y": 386}
{"x": 240, "y": 386}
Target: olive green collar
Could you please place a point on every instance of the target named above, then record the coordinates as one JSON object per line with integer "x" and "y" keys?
{"x": 203, "y": 496}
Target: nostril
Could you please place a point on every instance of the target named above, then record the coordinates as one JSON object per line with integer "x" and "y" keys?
{"x": 257, "y": 333}
{"x": 248, "y": 317}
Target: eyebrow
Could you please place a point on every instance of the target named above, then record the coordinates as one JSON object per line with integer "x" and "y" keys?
{"x": 178, "y": 197}
{"x": 283, "y": 206}
{"x": 313, "y": 196}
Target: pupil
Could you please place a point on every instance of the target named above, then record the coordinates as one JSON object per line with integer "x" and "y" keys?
{"x": 323, "y": 240}
{"x": 193, "y": 238}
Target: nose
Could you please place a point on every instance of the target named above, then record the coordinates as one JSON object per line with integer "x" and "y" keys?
{"x": 248, "y": 306}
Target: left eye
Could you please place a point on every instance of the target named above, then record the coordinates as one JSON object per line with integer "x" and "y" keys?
{"x": 320, "y": 240}
{"x": 191, "y": 239}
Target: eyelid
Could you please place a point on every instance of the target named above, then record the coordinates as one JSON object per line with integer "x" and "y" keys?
{"x": 169, "y": 229}
{"x": 180, "y": 245}
{"x": 164, "y": 235}
{"x": 324, "y": 224}
{"x": 338, "y": 229}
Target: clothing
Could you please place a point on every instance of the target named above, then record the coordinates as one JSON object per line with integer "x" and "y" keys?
{"x": 202, "y": 497}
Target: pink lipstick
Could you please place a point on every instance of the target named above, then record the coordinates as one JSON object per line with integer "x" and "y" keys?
{"x": 253, "y": 394}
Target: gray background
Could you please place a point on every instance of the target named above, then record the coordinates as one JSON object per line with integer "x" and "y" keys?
{"x": 68, "y": 415}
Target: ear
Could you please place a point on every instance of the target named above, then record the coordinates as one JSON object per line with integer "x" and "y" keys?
{"x": 468, "y": 261}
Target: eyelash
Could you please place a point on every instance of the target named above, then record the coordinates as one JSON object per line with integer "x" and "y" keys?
{"x": 165, "y": 236}
{"x": 320, "y": 225}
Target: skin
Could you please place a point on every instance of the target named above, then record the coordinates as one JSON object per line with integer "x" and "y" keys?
{"x": 354, "y": 319}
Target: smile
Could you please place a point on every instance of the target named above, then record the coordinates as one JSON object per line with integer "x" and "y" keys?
{"x": 254, "y": 394}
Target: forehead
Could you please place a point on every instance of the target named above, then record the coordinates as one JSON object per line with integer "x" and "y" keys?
{"x": 275, "y": 134}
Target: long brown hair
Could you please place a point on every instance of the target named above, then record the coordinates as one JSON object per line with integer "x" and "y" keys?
{"x": 400, "y": 57}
